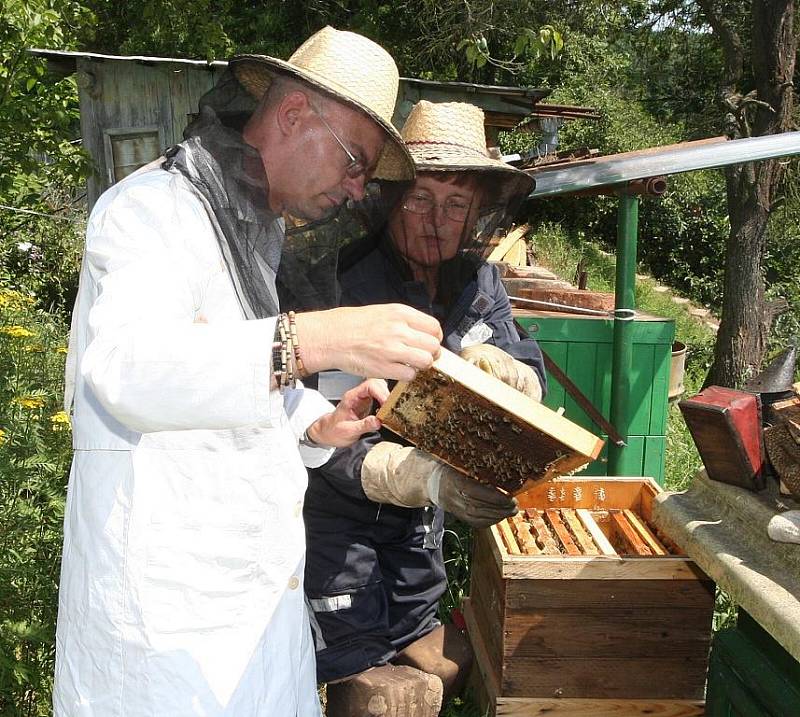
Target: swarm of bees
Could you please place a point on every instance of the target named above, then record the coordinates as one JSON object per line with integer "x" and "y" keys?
{"x": 470, "y": 433}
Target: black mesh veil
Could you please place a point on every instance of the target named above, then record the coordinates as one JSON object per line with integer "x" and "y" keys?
{"x": 435, "y": 246}
{"x": 229, "y": 177}
{"x": 308, "y": 278}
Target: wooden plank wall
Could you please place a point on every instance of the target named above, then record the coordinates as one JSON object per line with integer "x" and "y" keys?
{"x": 129, "y": 95}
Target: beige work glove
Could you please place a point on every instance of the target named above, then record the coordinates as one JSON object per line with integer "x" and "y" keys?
{"x": 499, "y": 364}
{"x": 411, "y": 478}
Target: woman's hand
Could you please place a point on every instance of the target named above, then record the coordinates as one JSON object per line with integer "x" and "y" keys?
{"x": 499, "y": 364}
{"x": 351, "y": 418}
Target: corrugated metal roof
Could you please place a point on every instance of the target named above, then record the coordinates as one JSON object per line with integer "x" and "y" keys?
{"x": 582, "y": 174}
{"x": 67, "y": 59}
{"x": 67, "y": 55}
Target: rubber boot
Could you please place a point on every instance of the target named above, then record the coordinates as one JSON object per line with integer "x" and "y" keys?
{"x": 445, "y": 652}
{"x": 386, "y": 691}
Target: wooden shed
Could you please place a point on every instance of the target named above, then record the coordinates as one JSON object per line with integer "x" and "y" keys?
{"x": 133, "y": 107}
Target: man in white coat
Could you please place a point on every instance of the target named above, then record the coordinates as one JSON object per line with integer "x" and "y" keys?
{"x": 182, "y": 577}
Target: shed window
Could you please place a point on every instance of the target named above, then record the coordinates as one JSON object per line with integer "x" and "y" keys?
{"x": 127, "y": 150}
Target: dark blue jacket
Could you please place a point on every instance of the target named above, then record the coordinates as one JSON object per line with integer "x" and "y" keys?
{"x": 375, "y": 573}
{"x": 335, "y": 488}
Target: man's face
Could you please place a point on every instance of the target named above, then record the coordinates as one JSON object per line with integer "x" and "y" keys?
{"x": 320, "y": 182}
{"x": 427, "y": 238}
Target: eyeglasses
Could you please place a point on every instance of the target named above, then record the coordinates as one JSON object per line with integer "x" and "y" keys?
{"x": 454, "y": 208}
{"x": 356, "y": 167}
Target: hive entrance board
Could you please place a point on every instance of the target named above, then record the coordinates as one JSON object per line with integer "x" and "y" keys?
{"x": 484, "y": 428}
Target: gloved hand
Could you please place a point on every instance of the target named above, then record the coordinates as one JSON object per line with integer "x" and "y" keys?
{"x": 411, "y": 478}
{"x": 499, "y": 364}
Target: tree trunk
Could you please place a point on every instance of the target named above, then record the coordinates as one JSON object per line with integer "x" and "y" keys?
{"x": 742, "y": 338}
{"x": 751, "y": 189}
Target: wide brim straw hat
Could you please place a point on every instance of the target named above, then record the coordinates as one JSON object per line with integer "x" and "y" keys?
{"x": 451, "y": 137}
{"x": 350, "y": 68}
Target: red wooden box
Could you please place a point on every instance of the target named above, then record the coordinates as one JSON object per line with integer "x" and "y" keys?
{"x": 726, "y": 427}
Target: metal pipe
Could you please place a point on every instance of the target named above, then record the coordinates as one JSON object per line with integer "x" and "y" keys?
{"x": 650, "y": 187}
{"x": 624, "y": 315}
{"x": 673, "y": 159}
{"x": 655, "y": 186}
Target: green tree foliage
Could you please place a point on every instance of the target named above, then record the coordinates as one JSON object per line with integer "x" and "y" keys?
{"x": 42, "y": 166}
{"x": 38, "y": 117}
{"x": 681, "y": 234}
{"x": 651, "y": 67}
{"x": 164, "y": 28}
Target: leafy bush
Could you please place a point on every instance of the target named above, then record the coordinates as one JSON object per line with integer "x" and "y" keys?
{"x": 34, "y": 460}
{"x": 41, "y": 257}
{"x": 38, "y": 114}
{"x": 43, "y": 165}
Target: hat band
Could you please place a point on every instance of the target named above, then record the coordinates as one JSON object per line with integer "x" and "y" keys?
{"x": 474, "y": 151}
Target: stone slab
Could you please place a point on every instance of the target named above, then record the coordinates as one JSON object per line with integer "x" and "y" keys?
{"x": 723, "y": 528}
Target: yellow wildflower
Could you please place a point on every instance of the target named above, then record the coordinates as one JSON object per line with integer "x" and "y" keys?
{"x": 9, "y": 297}
{"x": 2, "y": 436}
{"x": 18, "y": 332}
{"x": 29, "y": 401}
{"x": 59, "y": 420}
{"x": 61, "y": 349}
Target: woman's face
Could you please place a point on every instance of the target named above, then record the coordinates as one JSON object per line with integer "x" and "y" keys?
{"x": 433, "y": 217}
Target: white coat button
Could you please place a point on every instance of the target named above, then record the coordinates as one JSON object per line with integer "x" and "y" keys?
{"x": 298, "y": 509}
{"x": 294, "y": 583}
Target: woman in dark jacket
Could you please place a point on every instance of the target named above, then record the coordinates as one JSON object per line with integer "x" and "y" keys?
{"x": 375, "y": 512}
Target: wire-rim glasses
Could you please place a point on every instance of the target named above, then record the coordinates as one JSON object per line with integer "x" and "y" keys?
{"x": 357, "y": 167}
{"x": 454, "y": 208}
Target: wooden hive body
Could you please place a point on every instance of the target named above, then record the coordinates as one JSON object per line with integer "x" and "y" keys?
{"x": 484, "y": 428}
{"x": 589, "y": 635}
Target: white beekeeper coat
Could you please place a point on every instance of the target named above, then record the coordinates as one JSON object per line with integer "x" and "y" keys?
{"x": 182, "y": 578}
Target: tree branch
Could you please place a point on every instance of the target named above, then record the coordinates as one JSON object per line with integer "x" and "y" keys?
{"x": 731, "y": 43}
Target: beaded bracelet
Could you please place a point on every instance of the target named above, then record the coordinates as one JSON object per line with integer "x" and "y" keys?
{"x": 276, "y": 355}
{"x": 282, "y": 351}
{"x": 301, "y": 369}
{"x": 287, "y": 370}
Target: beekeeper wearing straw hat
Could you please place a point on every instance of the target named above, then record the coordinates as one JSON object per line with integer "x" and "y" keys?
{"x": 182, "y": 577}
{"x": 375, "y": 512}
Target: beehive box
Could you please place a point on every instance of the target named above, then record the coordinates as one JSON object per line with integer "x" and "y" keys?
{"x": 598, "y": 616}
{"x": 484, "y": 428}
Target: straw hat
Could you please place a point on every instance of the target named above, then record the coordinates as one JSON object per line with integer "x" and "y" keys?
{"x": 349, "y": 67}
{"x": 450, "y": 137}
